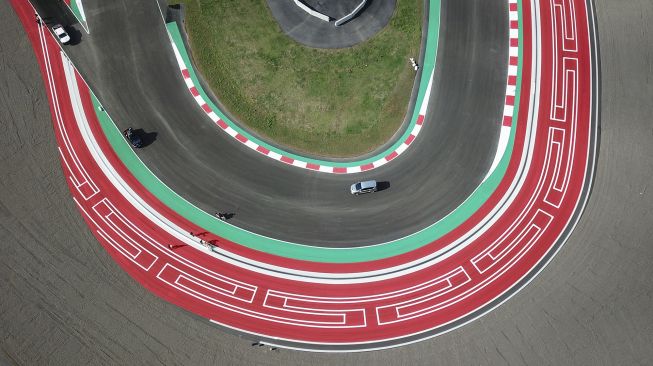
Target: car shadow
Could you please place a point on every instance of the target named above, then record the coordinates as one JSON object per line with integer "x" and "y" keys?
{"x": 382, "y": 186}
{"x": 74, "y": 34}
{"x": 147, "y": 138}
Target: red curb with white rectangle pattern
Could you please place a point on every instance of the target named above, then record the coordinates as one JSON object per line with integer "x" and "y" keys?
{"x": 326, "y": 317}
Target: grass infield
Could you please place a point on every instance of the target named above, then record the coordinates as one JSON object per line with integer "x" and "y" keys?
{"x": 334, "y": 103}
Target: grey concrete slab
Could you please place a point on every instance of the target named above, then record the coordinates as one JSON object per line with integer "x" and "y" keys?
{"x": 65, "y": 302}
{"x": 313, "y": 32}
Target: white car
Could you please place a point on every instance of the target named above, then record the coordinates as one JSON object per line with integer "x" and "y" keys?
{"x": 363, "y": 187}
{"x": 61, "y": 33}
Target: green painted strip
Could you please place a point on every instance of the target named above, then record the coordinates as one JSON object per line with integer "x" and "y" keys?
{"x": 429, "y": 64}
{"x": 295, "y": 250}
{"x": 75, "y": 9}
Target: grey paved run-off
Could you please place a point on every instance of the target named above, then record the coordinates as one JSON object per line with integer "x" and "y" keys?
{"x": 63, "y": 301}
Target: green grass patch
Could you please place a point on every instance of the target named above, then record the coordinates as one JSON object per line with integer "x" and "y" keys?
{"x": 337, "y": 103}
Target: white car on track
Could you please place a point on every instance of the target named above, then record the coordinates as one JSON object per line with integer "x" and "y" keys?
{"x": 61, "y": 33}
{"x": 363, "y": 187}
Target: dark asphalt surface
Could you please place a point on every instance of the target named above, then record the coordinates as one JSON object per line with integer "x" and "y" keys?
{"x": 313, "y": 32}
{"x": 64, "y": 301}
{"x": 335, "y": 9}
{"x": 128, "y": 62}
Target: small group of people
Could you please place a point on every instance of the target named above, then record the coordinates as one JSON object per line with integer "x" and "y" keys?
{"x": 207, "y": 243}
{"x": 414, "y": 63}
{"x": 210, "y": 244}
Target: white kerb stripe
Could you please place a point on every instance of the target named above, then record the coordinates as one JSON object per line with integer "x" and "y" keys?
{"x": 214, "y": 117}
{"x": 231, "y": 131}
{"x": 380, "y": 162}
{"x": 501, "y": 149}
{"x": 299, "y": 163}
{"x": 180, "y": 61}
{"x": 401, "y": 148}
{"x": 251, "y": 144}
{"x": 274, "y": 155}
{"x": 507, "y": 110}
{"x": 427, "y": 95}
{"x": 511, "y": 90}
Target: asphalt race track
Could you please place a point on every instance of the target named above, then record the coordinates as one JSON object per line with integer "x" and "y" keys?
{"x": 289, "y": 203}
{"x": 313, "y": 32}
{"x": 69, "y": 303}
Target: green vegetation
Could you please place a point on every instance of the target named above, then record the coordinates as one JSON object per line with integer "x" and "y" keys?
{"x": 325, "y": 102}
